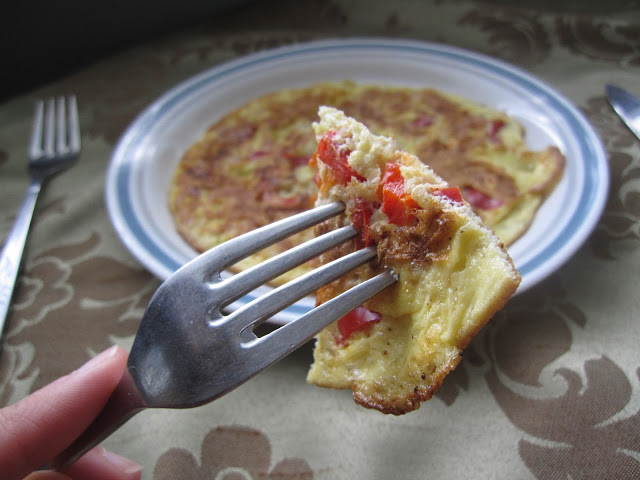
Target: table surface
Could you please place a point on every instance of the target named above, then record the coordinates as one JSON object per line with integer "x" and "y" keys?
{"x": 550, "y": 388}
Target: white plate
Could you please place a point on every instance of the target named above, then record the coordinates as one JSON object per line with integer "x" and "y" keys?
{"x": 144, "y": 160}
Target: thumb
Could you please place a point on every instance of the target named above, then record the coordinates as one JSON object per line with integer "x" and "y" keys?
{"x": 47, "y": 476}
{"x": 38, "y": 427}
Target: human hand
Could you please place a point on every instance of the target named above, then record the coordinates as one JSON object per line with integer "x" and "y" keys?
{"x": 38, "y": 427}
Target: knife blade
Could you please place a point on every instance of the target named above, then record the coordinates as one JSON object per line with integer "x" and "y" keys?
{"x": 626, "y": 106}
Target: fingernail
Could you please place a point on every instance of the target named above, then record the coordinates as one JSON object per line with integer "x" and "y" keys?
{"x": 122, "y": 464}
{"x": 98, "y": 359}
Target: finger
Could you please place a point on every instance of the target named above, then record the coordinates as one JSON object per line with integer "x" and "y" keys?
{"x": 38, "y": 427}
{"x": 101, "y": 464}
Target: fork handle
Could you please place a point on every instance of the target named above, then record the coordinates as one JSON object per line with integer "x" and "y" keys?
{"x": 14, "y": 248}
{"x": 124, "y": 403}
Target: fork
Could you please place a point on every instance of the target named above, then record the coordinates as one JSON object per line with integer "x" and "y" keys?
{"x": 188, "y": 351}
{"x": 55, "y": 144}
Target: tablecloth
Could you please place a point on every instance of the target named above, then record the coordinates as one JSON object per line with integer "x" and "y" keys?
{"x": 549, "y": 389}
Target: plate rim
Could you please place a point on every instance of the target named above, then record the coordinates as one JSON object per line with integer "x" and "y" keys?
{"x": 564, "y": 245}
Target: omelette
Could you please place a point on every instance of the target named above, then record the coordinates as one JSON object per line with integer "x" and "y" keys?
{"x": 250, "y": 168}
{"x": 454, "y": 273}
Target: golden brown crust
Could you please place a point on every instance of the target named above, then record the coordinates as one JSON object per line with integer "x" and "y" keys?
{"x": 411, "y": 401}
{"x": 426, "y": 241}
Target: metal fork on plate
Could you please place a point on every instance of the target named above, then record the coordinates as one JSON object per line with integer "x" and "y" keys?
{"x": 188, "y": 351}
{"x": 55, "y": 144}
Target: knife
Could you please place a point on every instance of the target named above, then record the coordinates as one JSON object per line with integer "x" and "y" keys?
{"x": 626, "y": 106}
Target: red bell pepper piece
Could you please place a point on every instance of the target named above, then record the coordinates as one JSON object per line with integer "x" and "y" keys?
{"x": 478, "y": 199}
{"x": 356, "y": 320}
{"x": 361, "y": 220}
{"x": 396, "y": 204}
{"x": 494, "y": 127}
{"x": 452, "y": 193}
{"x": 335, "y": 158}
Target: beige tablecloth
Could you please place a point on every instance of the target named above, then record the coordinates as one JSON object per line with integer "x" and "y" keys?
{"x": 550, "y": 389}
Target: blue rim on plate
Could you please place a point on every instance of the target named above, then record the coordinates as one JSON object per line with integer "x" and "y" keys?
{"x": 541, "y": 250}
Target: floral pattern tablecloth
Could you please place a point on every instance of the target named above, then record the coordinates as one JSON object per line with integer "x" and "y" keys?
{"x": 550, "y": 389}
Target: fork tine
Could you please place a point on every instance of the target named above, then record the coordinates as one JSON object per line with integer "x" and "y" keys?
{"x": 267, "y": 305}
{"x": 35, "y": 146}
{"x": 61, "y": 132}
{"x": 235, "y": 287}
{"x": 50, "y": 123}
{"x": 282, "y": 341}
{"x": 74, "y": 125}
{"x": 219, "y": 258}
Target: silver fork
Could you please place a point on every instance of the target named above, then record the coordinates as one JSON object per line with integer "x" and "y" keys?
{"x": 188, "y": 351}
{"x": 55, "y": 144}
